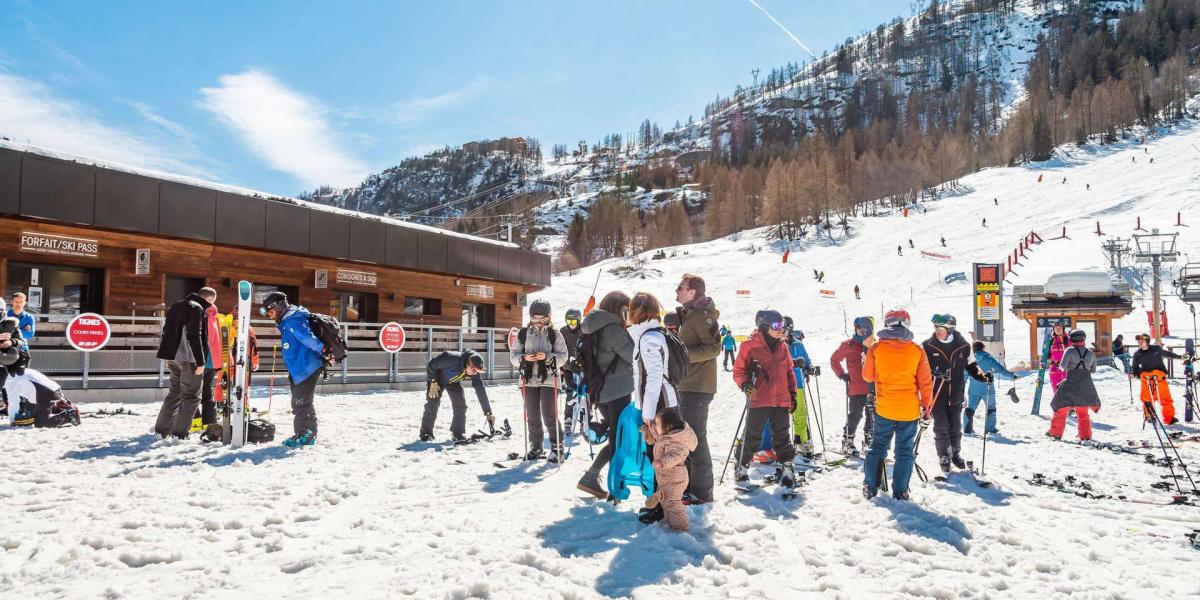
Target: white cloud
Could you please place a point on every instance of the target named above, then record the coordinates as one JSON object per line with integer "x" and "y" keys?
{"x": 284, "y": 128}
{"x": 32, "y": 113}
{"x": 407, "y": 112}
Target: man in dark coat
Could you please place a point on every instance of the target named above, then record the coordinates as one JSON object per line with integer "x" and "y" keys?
{"x": 184, "y": 345}
{"x": 949, "y": 359}
{"x": 446, "y": 372}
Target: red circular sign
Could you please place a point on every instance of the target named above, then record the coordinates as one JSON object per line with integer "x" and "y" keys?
{"x": 513, "y": 334}
{"x": 88, "y": 332}
{"x": 391, "y": 337}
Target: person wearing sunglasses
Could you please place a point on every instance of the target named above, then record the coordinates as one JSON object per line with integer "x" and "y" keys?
{"x": 700, "y": 333}
{"x": 763, "y": 371}
{"x": 538, "y": 352}
{"x": 950, "y": 360}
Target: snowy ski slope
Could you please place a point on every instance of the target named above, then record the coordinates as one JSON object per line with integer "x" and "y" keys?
{"x": 105, "y": 510}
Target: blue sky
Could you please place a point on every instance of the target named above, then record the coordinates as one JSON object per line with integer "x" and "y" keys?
{"x": 284, "y": 96}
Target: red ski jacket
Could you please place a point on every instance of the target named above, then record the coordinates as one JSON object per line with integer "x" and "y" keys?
{"x": 853, "y": 352}
{"x": 771, "y": 373}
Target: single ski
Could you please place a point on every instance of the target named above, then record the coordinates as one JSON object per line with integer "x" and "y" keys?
{"x": 1042, "y": 365}
{"x": 238, "y": 415}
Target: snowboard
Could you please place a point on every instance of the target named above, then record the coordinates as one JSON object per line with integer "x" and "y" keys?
{"x": 1189, "y": 372}
{"x": 240, "y": 392}
{"x": 1043, "y": 364}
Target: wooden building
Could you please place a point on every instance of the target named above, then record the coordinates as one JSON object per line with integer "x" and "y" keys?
{"x": 79, "y": 237}
{"x": 1088, "y": 301}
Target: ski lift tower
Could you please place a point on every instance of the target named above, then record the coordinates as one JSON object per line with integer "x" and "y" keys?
{"x": 1188, "y": 288}
{"x": 1155, "y": 248}
{"x": 1116, "y": 249}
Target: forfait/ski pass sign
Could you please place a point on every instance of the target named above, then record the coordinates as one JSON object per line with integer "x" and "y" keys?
{"x": 88, "y": 332}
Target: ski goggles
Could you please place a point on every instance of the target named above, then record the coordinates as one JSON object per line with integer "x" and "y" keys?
{"x": 947, "y": 321}
{"x": 778, "y": 326}
{"x": 572, "y": 322}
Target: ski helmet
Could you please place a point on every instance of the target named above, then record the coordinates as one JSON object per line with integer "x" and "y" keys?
{"x": 539, "y": 308}
{"x": 897, "y": 317}
{"x": 573, "y": 314}
{"x": 768, "y": 319}
{"x": 948, "y": 321}
{"x": 275, "y": 300}
{"x": 866, "y": 324}
{"x": 788, "y": 324}
{"x": 1078, "y": 335}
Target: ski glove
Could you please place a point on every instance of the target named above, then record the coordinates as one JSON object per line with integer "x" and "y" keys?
{"x": 748, "y": 390}
{"x": 844, "y": 377}
{"x": 989, "y": 377}
{"x": 434, "y": 390}
{"x": 491, "y": 419}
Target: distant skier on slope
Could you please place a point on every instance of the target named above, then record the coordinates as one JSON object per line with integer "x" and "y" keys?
{"x": 856, "y": 294}
{"x": 899, "y": 250}
{"x": 729, "y": 347}
{"x": 1077, "y": 392}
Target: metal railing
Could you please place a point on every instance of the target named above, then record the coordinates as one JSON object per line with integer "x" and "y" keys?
{"x": 131, "y": 353}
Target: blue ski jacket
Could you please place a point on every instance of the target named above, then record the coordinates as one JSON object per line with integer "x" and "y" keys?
{"x": 729, "y": 343}
{"x": 302, "y": 350}
{"x": 798, "y": 352}
{"x": 629, "y": 467}
{"x": 988, "y": 364}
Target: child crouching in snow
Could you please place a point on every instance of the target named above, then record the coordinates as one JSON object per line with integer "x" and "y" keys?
{"x": 673, "y": 442}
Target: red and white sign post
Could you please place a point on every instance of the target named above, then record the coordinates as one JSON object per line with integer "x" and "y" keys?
{"x": 88, "y": 332}
{"x": 391, "y": 337}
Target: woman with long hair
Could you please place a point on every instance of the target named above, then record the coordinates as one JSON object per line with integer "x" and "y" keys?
{"x": 608, "y": 381}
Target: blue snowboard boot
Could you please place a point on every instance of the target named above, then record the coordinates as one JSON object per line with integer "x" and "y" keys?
{"x": 304, "y": 438}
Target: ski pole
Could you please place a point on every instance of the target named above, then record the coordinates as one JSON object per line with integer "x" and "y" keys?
{"x": 1165, "y": 435}
{"x": 558, "y": 445}
{"x": 1130, "y": 379}
{"x": 820, "y": 405}
{"x": 983, "y": 461}
{"x": 736, "y": 432}
{"x": 820, "y": 428}
{"x": 524, "y": 418}
{"x": 271, "y": 379}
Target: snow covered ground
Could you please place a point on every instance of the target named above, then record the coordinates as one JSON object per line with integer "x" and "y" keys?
{"x": 105, "y": 510}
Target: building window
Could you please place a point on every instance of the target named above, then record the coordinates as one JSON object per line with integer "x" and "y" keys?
{"x": 416, "y": 307}
{"x": 478, "y": 315}
{"x": 353, "y": 307}
{"x": 179, "y": 287}
{"x": 262, "y": 290}
{"x": 55, "y": 290}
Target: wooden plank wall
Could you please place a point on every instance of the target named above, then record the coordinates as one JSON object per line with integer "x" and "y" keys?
{"x": 125, "y": 293}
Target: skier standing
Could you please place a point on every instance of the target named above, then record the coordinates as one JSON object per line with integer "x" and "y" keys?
{"x": 446, "y": 372}
{"x": 1077, "y": 392}
{"x": 304, "y": 358}
{"x": 856, "y": 296}
{"x": 983, "y": 390}
{"x": 801, "y": 367}
{"x": 763, "y": 371}
{"x": 899, "y": 250}
{"x": 610, "y": 360}
{"x": 1149, "y": 366}
{"x": 214, "y": 362}
{"x": 698, "y": 330}
{"x": 570, "y": 334}
{"x": 1059, "y": 342}
{"x": 538, "y": 352}
{"x": 949, "y": 359}
{"x": 847, "y": 362}
{"x": 943, "y": 242}
{"x": 899, "y": 370}
{"x": 184, "y": 345}
{"x": 651, "y": 389}
{"x": 729, "y": 344}
{"x": 1121, "y": 351}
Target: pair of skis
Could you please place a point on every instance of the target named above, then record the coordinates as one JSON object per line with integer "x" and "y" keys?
{"x": 235, "y": 415}
{"x": 1083, "y": 489}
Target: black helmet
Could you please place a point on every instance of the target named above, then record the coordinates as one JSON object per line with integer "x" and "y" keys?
{"x": 1078, "y": 335}
{"x": 539, "y": 308}
{"x": 765, "y": 319}
{"x": 573, "y": 314}
{"x": 275, "y": 300}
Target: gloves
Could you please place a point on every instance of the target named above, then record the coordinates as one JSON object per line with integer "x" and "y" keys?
{"x": 491, "y": 419}
{"x": 798, "y": 363}
{"x": 748, "y": 390}
{"x": 871, "y": 400}
{"x": 794, "y": 403}
{"x": 844, "y": 377}
{"x": 989, "y": 377}
{"x": 434, "y": 390}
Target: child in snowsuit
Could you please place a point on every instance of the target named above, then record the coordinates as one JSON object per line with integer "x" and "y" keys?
{"x": 673, "y": 441}
{"x": 1077, "y": 391}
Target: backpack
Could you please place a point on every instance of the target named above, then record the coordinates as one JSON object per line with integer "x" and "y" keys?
{"x": 677, "y": 359}
{"x": 527, "y": 370}
{"x": 592, "y": 375}
{"x": 329, "y": 331}
{"x": 259, "y": 431}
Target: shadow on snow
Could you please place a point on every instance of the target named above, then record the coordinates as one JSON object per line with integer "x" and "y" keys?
{"x": 917, "y": 520}
{"x": 522, "y": 472}
{"x": 125, "y": 447}
{"x": 964, "y": 484}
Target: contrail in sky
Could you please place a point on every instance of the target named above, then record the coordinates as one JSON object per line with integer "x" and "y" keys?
{"x": 785, "y": 29}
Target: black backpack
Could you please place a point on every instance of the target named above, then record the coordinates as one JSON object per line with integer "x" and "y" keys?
{"x": 677, "y": 359}
{"x": 587, "y": 363}
{"x": 329, "y": 331}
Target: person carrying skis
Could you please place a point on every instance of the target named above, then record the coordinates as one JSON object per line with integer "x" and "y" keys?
{"x": 899, "y": 370}
{"x": 763, "y": 371}
{"x": 1149, "y": 366}
{"x": 846, "y": 363}
{"x": 567, "y": 370}
{"x": 950, "y": 360}
{"x": 305, "y": 360}
{"x": 984, "y": 391}
{"x": 699, "y": 332}
{"x": 1059, "y": 342}
{"x": 729, "y": 344}
{"x": 606, "y": 368}
{"x": 446, "y": 372}
{"x": 1077, "y": 391}
{"x": 214, "y": 362}
{"x": 538, "y": 351}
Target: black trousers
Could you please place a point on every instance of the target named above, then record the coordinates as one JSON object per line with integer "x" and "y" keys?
{"x": 458, "y": 404}
{"x": 610, "y": 412}
{"x": 728, "y": 357}
{"x": 947, "y": 426}
{"x": 208, "y": 407}
{"x": 858, "y": 411}
{"x": 304, "y": 413}
{"x": 539, "y": 410}
{"x": 781, "y": 437}
{"x": 693, "y": 406}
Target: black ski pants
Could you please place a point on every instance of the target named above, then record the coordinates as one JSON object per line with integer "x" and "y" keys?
{"x": 539, "y": 410}
{"x": 610, "y": 413}
{"x": 304, "y": 413}
{"x": 458, "y": 404}
{"x": 208, "y": 407}
{"x": 728, "y": 357}
{"x": 947, "y": 426}
{"x": 781, "y": 436}
{"x": 857, "y": 411}
{"x": 693, "y": 407}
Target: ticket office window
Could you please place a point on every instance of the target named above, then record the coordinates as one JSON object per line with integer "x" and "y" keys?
{"x": 478, "y": 315}
{"x": 418, "y": 307}
{"x": 354, "y": 307}
{"x": 56, "y": 290}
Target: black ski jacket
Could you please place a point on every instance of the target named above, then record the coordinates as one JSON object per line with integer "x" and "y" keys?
{"x": 450, "y": 368}
{"x": 951, "y": 360}
{"x": 1151, "y": 359}
{"x": 185, "y": 315}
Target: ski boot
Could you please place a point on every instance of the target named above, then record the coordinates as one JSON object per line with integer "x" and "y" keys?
{"x": 944, "y": 463}
{"x": 426, "y": 437}
{"x": 690, "y": 499}
{"x": 901, "y": 496}
{"x": 968, "y": 421}
{"x": 741, "y": 474}
{"x": 869, "y": 493}
{"x": 305, "y": 438}
{"x": 552, "y": 457}
{"x": 787, "y": 476}
{"x": 535, "y": 454}
{"x": 957, "y": 460}
{"x": 805, "y": 450}
{"x": 459, "y": 439}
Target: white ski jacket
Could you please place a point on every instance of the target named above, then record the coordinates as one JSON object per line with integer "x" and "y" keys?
{"x": 650, "y": 352}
